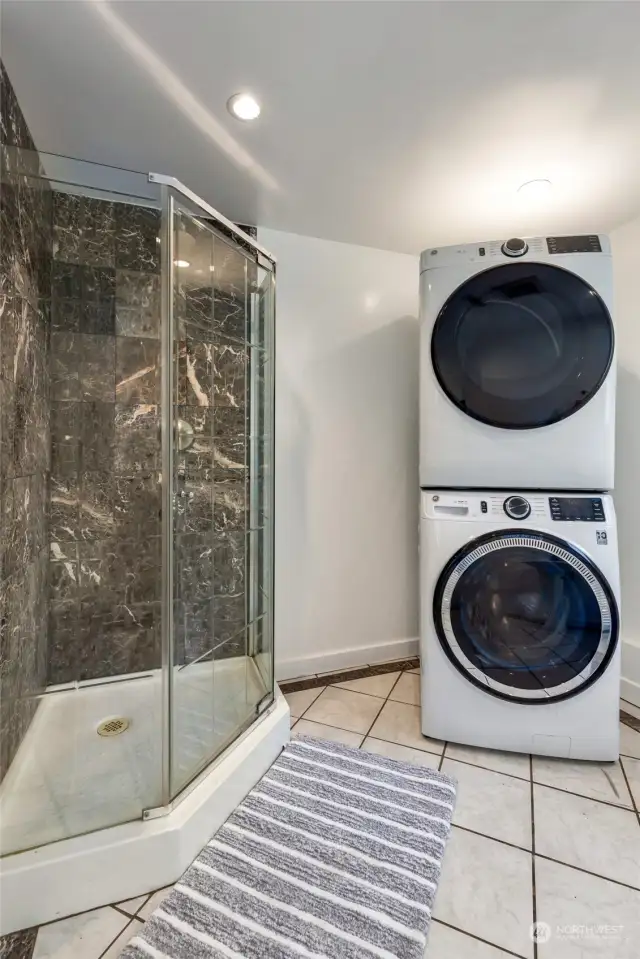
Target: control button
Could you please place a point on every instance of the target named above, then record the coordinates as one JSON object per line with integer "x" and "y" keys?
{"x": 516, "y": 507}
{"x": 483, "y": 506}
{"x": 514, "y": 247}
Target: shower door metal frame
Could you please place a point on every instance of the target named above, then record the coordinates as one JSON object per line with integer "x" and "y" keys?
{"x": 170, "y": 189}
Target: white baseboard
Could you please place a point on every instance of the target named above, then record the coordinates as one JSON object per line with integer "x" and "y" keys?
{"x": 630, "y": 683}
{"x": 346, "y": 659}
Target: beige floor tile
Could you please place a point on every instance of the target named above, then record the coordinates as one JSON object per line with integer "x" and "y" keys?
{"x": 630, "y": 708}
{"x": 486, "y": 890}
{"x": 344, "y": 709}
{"x": 490, "y": 803}
{"x": 115, "y": 950}
{"x": 131, "y": 906}
{"x": 513, "y": 764}
{"x": 154, "y": 902}
{"x": 632, "y": 769}
{"x": 629, "y": 741}
{"x": 300, "y": 701}
{"x": 578, "y": 909}
{"x": 306, "y": 728}
{"x": 407, "y": 690}
{"x": 372, "y": 685}
{"x": 403, "y": 753}
{"x": 590, "y": 835}
{"x": 414, "y": 671}
{"x": 80, "y": 937}
{"x": 594, "y": 780}
{"x": 400, "y": 723}
{"x": 447, "y": 943}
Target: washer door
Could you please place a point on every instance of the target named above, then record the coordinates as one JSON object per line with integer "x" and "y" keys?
{"x": 525, "y": 616}
{"x": 522, "y": 345}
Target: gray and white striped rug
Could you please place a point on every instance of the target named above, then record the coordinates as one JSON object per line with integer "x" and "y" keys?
{"x": 335, "y": 853}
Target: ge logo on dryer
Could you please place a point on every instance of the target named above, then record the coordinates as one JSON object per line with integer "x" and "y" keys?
{"x": 601, "y": 537}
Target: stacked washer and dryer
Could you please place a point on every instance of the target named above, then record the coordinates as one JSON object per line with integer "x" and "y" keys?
{"x": 518, "y": 549}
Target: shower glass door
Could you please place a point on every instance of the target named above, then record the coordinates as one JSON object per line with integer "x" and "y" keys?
{"x": 218, "y": 457}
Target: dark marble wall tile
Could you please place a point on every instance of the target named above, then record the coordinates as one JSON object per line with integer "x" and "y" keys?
{"x": 97, "y": 436}
{"x": 195, "y": 370}
{"x": 230, "y": 504}
{"x": 98, "y": 368}
{"x": 64, "y": 520}
{"x": 96, "y": 507}
{"x": 65, "y": 361}
{"x": 137, "y": 230}
{"x": 66, "y": 432}
{"x": 137, "y": 370}
{"x": 230, "y": 444}
{"x": 137, "y": 505}
{"x": 137, "y": 438}
{"x": 230, "y": 374}
{"x": 230, "y": 294}
{"x": 25, "y": 258}
{"x": 137, "y": 304}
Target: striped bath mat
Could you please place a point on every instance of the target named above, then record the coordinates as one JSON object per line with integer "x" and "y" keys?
{"x": 336, "y": 853}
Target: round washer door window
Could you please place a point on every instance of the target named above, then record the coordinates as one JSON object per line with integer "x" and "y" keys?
{"x": 525, "y": 616}
{"x": 522, "y": 345}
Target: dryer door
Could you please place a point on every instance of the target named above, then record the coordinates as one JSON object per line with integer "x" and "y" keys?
{"x": 525, "y": 616}
{"x": 522, "y": 345}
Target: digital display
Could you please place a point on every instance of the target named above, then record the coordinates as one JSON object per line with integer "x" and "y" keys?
{"x": 574, "y": 244}
{"x": 577, "y": 508}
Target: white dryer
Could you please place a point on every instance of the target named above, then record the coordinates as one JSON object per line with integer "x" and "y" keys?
{"x": 517, "y": 365}
{"x": 519, "y": 622}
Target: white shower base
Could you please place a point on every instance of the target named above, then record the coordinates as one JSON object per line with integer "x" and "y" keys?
{"x": 67, "y": 780}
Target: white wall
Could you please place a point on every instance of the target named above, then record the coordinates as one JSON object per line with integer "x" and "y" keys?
{"x": 626, "y": 266}
{"x": 346, "y": 454}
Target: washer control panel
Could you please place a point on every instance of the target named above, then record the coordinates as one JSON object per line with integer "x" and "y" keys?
{"x": 504, "y": 508}
{"x": 577, "y": 509}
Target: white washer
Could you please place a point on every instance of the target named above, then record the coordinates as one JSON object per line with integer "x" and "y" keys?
{"x": 517, "y": 365}
{"x": 519, "y": 622}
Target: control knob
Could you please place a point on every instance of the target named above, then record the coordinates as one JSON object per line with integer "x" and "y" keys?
{"x": 514, "y": 247}
{"x": 516, "y": 507}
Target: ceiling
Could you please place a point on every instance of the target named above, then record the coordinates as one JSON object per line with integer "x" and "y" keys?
{"x": 390, "y": 124}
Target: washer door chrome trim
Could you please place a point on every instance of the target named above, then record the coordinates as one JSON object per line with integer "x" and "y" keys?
{"x": 557, "y": 548}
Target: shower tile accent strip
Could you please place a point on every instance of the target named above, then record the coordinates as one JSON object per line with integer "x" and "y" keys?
{"x": 25, "y": 257}
{"x": 343, "y": 676}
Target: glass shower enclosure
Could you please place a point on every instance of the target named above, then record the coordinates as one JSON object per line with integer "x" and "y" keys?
{"x": 146, "y": 504}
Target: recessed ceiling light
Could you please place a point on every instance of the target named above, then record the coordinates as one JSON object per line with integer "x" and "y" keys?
{"x": 181, "y": 263}
{"x": 243, "y": 106}
{"x": 535, "y": 189}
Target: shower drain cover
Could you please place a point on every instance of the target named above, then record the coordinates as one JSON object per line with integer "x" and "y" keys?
{"x": 113, "y": 726}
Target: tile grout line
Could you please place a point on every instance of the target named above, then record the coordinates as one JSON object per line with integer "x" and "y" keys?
{"x": 633, "y": 800}
{"x": 472, "y": 935}
{"x": 126, "y": 926}
{"x": 533, "y": 859}
{"x": 567, "y": 792}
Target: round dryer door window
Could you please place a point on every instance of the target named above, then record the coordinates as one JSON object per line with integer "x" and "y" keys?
{"x": 522, "y": 345}
{"x": 525, "y": 616}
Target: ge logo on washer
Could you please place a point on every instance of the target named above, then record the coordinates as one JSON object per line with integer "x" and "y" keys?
{"x": 601, "y": 537}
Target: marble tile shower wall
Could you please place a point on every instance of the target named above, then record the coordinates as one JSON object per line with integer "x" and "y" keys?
{"x": 25, "y": 245}
{"x": 105, "y": 493}
{"x": 104, "y": 573}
